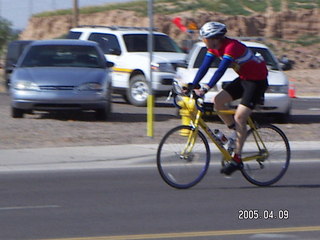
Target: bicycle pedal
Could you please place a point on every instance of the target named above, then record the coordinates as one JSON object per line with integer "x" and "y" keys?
{"x": 227, "y": 176}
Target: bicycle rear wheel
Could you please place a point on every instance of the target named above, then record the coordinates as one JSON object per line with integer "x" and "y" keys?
{"x": 270, "y": 163}
{"x": 183, "y": 157}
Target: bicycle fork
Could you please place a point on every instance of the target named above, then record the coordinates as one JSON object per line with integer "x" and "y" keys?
{"x": 192, "y": 138}
{"x": 186, "y": 152}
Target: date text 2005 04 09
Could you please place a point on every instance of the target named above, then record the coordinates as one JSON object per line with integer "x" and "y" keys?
{"x": 255, "y": 214}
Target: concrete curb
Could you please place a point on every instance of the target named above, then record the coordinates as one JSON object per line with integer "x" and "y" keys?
{"x": 74, "y": 157}
{"x": 98, "y": 157}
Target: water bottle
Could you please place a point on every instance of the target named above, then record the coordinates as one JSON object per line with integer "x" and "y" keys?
{"x": 220, "y": 136}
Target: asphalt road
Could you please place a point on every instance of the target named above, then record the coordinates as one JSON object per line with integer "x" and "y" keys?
{"x": 123, "y": 203}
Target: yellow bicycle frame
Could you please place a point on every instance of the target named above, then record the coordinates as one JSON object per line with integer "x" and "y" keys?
{"x": 196, "y": 121}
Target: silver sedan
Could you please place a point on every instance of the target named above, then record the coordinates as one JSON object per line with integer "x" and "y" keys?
{"x": 56, "y": 75}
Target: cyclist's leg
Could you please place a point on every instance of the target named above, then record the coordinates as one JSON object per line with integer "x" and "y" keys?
{"x": 241, "y": 116}
{"x": 252, "y": 93}
{"x": 231, "y": 92}
{"x": 219, "y": 102}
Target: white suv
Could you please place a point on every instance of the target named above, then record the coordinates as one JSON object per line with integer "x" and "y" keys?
{"x": 127, "y": 47}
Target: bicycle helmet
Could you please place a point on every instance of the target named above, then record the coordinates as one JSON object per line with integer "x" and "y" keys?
{"x": 213, "y": 29}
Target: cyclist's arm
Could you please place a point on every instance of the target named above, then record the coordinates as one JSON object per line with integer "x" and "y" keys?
{"x": 208, "y": 59}
{"x": 224, "y": 64}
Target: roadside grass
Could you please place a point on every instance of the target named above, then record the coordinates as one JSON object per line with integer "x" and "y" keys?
{"x": 257, "y": 6}
{"x": 308, "y": 40}
{"x": 305, "y": 4}
{"x": 230, "y": 7}
{"x": 139, "y": 6}
{"x": 276, "y": 5}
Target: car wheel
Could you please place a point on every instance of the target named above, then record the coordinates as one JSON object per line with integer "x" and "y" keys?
{"x": 104, "y": 113}
{"x": 283, "y": 117}
{"x": 17, "y": 113}
{"x": 138, "y": 91}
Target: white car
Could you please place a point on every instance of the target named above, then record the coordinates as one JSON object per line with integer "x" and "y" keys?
{"x": 127, "y": 47}
{"x": 277, "y": 100}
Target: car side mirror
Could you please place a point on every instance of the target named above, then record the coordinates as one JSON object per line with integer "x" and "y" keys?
{"x": 11, "y": 68}
{"x": 285, "y": 66}
{"x": 109, "y": 64}
{"x": 285, "y": 63}
{"x": 182, "y": 64}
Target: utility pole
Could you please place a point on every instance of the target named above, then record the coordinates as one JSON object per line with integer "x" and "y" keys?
{"x": 75, "y": 13}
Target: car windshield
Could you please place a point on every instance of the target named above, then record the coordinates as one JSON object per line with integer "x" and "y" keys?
{"x": 266, "y": 55}
{"x": 62, "y": 56}
{"x": 263, "y": 52}
{"x": 139, "y": 43}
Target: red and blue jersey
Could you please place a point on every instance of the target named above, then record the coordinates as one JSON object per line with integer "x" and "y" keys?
{"x": 235, "y": 54}
{"x": 244, "y": 62}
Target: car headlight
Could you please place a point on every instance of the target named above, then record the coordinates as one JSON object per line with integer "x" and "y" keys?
{"x": 90, "y": 87}
{"x": 162, "y": 67}
{"x": 277, "y": 89}
{"x": 25, "y": 86}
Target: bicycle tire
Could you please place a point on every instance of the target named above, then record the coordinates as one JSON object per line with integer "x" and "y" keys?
{"x": 182, "y": 171}
{"x": 271, "y": 169}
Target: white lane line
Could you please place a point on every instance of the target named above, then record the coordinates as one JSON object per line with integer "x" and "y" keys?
{"x": 28, "y": 207}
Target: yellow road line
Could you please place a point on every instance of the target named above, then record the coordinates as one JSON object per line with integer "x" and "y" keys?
{"x": 200, "y": 234}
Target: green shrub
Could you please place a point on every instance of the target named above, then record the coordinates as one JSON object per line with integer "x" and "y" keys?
{"x": 276, "y": 5}
{"x": 307, "y": 40}
{"x": 255, "y": 5}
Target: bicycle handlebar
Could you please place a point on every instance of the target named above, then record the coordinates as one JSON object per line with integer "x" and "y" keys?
{"x": 180, "y": 91}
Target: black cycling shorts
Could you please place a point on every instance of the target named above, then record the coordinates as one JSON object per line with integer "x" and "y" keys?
{"x": 251, "y": 91}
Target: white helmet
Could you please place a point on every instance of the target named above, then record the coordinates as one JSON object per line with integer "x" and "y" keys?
{"x": 213, "y": 29}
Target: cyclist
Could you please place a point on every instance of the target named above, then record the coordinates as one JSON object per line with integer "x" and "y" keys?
{"x": 250, "y": 85}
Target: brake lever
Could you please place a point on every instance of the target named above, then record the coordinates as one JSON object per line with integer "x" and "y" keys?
{"x": 198, "y": 99}
{"x": 169, "y": 96}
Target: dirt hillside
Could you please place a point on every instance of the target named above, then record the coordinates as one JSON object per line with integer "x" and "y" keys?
{"x": 283, "y": 31}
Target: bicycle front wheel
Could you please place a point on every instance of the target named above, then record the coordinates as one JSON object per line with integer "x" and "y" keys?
{"x": 183, "y": 157}
{"x": 267, "y": 161}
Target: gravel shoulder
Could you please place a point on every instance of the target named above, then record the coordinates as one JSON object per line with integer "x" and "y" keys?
{"x": 127, "y": 124}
